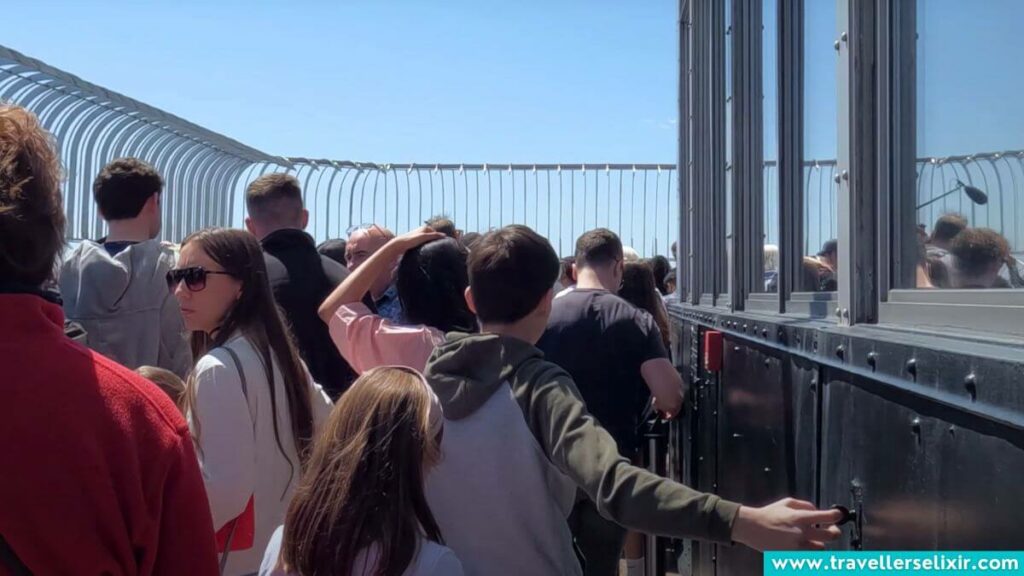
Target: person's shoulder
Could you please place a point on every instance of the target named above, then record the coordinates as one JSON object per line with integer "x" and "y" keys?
{"x": 614, "y": 307}
{"x": 437, "y": 560}
{"x": 129, "y": 395}
{"x": 277, "y": 272}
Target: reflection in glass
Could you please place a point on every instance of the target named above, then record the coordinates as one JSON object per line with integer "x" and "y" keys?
{"x": 969, "y": 201}
{"x": 820, "y": 224}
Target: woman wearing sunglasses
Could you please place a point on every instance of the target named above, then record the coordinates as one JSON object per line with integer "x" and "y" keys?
{"x": 431, "y": 280}
{"x": 250, "y": 402}
{"x": 360, "y": 507}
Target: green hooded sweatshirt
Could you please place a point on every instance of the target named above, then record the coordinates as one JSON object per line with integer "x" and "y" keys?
{"x": 471, "y": 371}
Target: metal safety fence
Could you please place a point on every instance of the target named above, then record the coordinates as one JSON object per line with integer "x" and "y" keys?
{"x": 206, "y": 174}
{"x": 93, "y": 125}
{"x": 560, "y": 201}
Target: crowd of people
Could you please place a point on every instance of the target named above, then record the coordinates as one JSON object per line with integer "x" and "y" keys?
{"x": 954, "y": 255}
{"x": 431, "y": 403}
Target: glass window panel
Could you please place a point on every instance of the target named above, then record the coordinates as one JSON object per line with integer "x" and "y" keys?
{"x": 968, "y": 205}
{"x": 820, "y": 224}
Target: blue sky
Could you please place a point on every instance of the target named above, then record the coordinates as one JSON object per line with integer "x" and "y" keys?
{"x": 394, "y": 81}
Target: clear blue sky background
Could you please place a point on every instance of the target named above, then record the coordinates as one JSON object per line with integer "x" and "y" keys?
{"x": 388, "y": 81}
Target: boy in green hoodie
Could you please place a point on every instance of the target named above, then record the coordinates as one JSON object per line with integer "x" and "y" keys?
{"x": 518, "y": 441}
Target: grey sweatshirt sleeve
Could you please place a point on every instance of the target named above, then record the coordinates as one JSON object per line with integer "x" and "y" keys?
{"x": 626, "y": 494}
{"x": 175, "y": 354}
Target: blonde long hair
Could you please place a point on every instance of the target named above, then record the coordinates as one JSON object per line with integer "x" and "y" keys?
{"x": 364, "y": 480}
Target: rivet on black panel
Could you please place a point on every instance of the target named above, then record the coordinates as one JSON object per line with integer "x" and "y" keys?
{"x": 840, "y": 351}
{"x": 764, "y": 332}
{"x": 873, "y": 360}
{"x": 971, "y": 384}
{"x": 912, "y": 367}
{"x": 915, "y": 426}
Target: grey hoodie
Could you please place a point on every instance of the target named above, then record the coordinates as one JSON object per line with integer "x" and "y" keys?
{"x": 518, "y": 442}
{"x": 124, "y": 306}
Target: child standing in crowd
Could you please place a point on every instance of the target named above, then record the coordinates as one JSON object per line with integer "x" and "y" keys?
{"x": 519, "y": 441}
{"x": 166, "y": 381}
{"x": 431, "y": 281}
{"x": 251, "y": 403}
{"x": 360, "y": 508}
{"x": 98, "y": 474}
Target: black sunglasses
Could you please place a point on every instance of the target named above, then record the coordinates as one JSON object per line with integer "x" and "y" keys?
{"x": 193, "y": 276}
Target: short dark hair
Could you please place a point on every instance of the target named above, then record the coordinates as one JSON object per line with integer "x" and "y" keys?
{"x": 431, "y": 281}
{"x": 334, "y": 249}
{"x": 977, "y": 250}
{"x": 442, "y": 224}
{"x": 598, "y": 247}
{"x": 510, "y": 270}
{"x": 829, "y": 247}
{"x": 948, "y": 226}
{"x": 31, "y": 208}
{"x": 275, "y": 198}
{"x": 124, "y": 185}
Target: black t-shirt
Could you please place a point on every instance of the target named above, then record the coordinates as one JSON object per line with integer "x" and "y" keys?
{"x": 118, "y": 246}
{"x": 601, "y": 341}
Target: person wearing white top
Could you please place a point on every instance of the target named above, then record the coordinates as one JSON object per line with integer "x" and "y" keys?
{"x": 251, "y": 404}
{"x": 360, "y": 507}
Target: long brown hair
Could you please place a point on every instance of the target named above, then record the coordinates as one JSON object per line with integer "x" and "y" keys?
{"x": 255, "y": 315}
{"x": 639, "y": 289}
{"x": 364, "y": 482}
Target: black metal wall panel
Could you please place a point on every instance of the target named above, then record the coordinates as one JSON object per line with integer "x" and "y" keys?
{"x": 923, "y": 433}
{"x": 767, "y": 435}
{"x": 918, "y": 481}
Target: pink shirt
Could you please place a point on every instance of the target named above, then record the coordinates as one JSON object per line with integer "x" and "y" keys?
{"x": 367, "y": 340}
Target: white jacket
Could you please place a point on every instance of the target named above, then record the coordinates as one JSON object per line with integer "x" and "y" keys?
{"x": 238, "y": 452}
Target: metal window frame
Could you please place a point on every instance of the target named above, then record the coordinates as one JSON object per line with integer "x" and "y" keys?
{"x": 747, "y": 152}
{"x": 719, "y": 167}
{"x": 996, "y": 312}
{"x": 817, "y": 305}
{"x": 684, "y": 165}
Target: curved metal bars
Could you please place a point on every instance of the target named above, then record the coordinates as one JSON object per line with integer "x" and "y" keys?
{"x": 340, "y": 194}
{"x": 93, "y": 125}
{"x": 206, "y": 174}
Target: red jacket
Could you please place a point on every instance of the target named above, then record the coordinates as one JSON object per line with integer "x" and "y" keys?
{"x": 97, "y": 469}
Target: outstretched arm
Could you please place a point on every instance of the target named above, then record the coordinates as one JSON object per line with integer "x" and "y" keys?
{"x": 638, "y": 499}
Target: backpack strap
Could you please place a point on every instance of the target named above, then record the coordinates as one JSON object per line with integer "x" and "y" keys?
{"x": 245, "y": 393}
{"x": 241, "y": 373}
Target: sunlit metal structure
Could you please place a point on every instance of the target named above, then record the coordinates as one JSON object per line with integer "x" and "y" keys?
{"x": 560, "y": 201}
{"x": 206, "y": 174}
{"x": 93, "y": 125}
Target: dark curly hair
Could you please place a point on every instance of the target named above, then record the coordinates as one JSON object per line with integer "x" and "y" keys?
{"x": 123, "y": 186}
